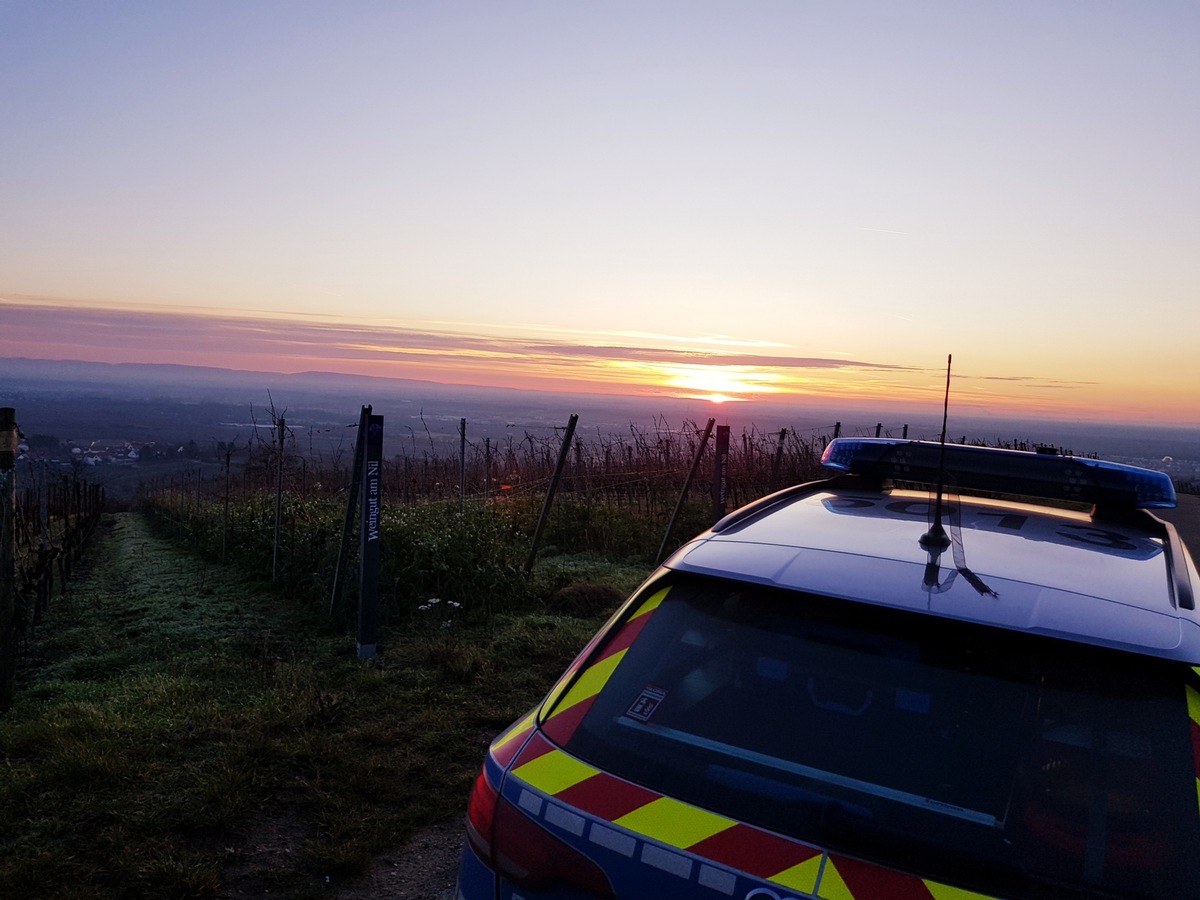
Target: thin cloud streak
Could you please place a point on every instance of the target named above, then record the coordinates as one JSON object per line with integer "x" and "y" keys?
{"x": 281, "y": 344}
{"x": 514, "y": 357}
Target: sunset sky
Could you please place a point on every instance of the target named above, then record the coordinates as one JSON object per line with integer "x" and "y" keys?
{"x": 724, "y": 200}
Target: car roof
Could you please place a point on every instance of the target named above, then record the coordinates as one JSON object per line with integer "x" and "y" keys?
{"x": 1124, "y": 582}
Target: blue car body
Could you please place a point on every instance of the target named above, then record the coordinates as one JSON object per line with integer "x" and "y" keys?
{"x": 813, "y": 700}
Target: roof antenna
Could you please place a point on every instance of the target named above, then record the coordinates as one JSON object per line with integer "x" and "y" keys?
{"x": 935, "y": 539}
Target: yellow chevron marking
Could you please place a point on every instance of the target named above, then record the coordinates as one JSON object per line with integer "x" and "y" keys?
{"x": 945, "y": 892}
{"x": 1193, "y": 702}
{"x": 554, "y": 772}
{"x": 832, "y": 885}
{"x": 594, "y": 677}
{"x": 590, "y": 682}
{"x": 800, "y": 877}
{"x": 674, "y": 823}
{"x": 516, "y": 729}
{"x": 650, "y": 605}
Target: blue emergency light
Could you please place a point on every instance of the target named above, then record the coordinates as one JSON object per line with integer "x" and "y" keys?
{"x": 962, "y": 467}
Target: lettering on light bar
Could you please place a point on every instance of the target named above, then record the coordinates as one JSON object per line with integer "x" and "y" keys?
{"x": 1048, "y": 476}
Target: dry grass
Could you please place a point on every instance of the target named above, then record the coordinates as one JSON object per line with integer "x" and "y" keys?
{"x": 180, "y": 731}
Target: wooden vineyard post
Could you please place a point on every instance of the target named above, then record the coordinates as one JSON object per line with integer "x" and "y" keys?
{"x": 368, "y": 559}
{"x": 278, "y": 503}
{"x": 546, "y": 506}
{"x": 462, "y": 464}
{"x": 8, "y": 552}
{"x": 720, "y": 487}
{"x": 225, "y": 511}
{"x": 487, "y": 468}
{"x": 777, "y": 461}
{"x": 662, "y": 548}
{"x": 45, "y": 588}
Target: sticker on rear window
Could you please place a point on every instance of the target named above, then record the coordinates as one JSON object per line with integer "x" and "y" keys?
{"x": 646, "y": 703}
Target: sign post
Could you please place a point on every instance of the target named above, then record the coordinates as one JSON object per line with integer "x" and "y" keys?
{"x": 370, "y": 507}
{"x": 720, "y": 473}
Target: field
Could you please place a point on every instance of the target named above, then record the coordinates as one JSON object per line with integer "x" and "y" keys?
{"x": 192, "y": 719}
{"x": 182, "y": 730}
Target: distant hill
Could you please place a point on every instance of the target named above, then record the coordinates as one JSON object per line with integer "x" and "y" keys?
{"x": 85, "y": 401}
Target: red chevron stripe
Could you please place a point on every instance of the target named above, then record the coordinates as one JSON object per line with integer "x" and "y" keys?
{"x": 1196, "y": 745}
{"x": 561, "y": 726}
{"x": 751, "y": 850}
{"x": 867, "y": 880}
{"x": 607, "y": 797}
{"x": 537, "y": 746}
{"x": 625, "y": 637}
{"x": 504, "y": 755}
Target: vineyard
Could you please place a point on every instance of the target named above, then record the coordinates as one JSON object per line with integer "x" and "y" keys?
{"x": 44, "y": 530}
{"x": 459, "y": 527}
{"x": 185, "y": 728}
{"x": 470, "y": 525}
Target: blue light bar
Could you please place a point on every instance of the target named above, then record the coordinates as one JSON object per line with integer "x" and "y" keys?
{"x": 1044, "y": 475}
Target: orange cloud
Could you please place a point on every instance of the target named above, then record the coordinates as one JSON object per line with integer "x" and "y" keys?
{"x": 245, "y": 342}
{"x": 712, "y": 368}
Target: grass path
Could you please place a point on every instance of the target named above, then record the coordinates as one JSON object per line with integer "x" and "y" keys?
{"x": 181, "y": 731}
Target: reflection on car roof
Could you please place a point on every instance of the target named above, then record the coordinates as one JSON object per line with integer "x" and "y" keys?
{"x": 1051, "y": 570}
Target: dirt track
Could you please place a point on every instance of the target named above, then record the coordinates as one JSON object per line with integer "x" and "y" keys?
{"x": 425, "y": 868}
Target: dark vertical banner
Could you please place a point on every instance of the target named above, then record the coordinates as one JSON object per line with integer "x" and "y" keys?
{"x": 352, "y": 504}
{"x": 720, "y": 488}
{"x": 371, "y": 507}
{"x": 8, "y": 555}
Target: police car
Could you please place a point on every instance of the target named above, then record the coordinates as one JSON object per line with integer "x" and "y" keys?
{"x": 946, "y": 672}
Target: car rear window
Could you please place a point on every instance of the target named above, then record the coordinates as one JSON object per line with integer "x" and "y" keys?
{"x": 1008, "y": 763}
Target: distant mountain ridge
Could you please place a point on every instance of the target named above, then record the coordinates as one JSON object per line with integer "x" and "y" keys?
{"x": 77, "y": 371}
{"x": 76, "y": 400}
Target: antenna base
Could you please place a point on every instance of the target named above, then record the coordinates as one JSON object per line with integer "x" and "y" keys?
{"x": 935, "y": 539}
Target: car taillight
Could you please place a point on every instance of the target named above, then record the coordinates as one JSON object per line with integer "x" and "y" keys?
{"x": 519, "y": 849}
{"x": 481, "y": 816}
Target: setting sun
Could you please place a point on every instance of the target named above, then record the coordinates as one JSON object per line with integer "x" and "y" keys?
{"x": 720, "y": 384}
